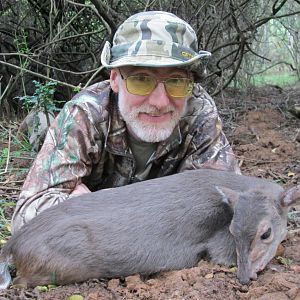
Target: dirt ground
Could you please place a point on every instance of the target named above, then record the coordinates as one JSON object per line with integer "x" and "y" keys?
{"x": 264, "y": 130}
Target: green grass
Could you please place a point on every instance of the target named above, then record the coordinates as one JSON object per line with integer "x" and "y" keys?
{"x": 5, "y": 229}
{"x": 13, "y": 153}
{"x": 280, "y": 79}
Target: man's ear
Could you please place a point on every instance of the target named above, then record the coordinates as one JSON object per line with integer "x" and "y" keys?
{"x": 114, "y": 80}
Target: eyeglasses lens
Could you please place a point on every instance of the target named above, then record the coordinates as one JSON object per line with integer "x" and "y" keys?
{"x": 179, "y": 87}
{"x": 144, "y": 85}
{"x": 140, "y": 85}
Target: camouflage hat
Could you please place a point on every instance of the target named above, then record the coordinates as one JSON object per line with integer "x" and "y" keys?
{"x": 153, "y": 39}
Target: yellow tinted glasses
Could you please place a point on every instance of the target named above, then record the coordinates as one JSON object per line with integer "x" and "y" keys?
{"x": 143, "y": 85}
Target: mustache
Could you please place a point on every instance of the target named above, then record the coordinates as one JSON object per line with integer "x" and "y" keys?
{"x": 153, "y": 110}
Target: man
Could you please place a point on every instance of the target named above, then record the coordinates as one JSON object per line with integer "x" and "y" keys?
{"x": 149, "y": 120}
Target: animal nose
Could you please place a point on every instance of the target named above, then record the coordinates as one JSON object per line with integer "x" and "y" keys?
{"x": 244, "y": 271}
{"x": 244, "y": 279}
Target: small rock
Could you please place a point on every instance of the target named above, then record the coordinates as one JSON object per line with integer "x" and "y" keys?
{"x": 276, "y": 267}
{"x": 93, "y": 296}
{"x": 297, "y": 297}
{"x": 295, "y": 268}
{"x": 295, "y": 110}
{"x": 134, "y": 283}
{"x": 209, "y": 276}
{"x": 272, "y": 296}
{"x": 280, "y": 250}
{"x": 151, "y": 281}
{"x": 113, "y": 283}
{"x": 293, "y": 292}
{"x": 298, "y": 137}
{"x": 244, "y": 289}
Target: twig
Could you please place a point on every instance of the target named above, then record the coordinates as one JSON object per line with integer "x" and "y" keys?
{"x": 88, "y": 82}
{"x": 6, "y": 88}
{"x": 293, "y": 232}
{"x": 14, "y": 181}
{"x": 10, "y": 188}
{"x": 8, "y": 152}
{"x": 47, "y": 65}
{"x": 68, "y": 23}
{"x": 22, "y": 157}
{"x": 39, "y": 75}
{"x": 297, "y": 135}
{"x": 16, "y": 169}
{"x": 259, "y": 162}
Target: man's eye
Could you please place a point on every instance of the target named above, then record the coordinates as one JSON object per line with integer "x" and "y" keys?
{"x": 142, "y": 78}
{"x": 176, "y": 80}
{"x": 179, "y": 81}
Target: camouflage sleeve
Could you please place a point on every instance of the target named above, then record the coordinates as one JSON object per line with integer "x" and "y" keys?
{"x": 209, "y": 147}
{"x": 65, "y": 158}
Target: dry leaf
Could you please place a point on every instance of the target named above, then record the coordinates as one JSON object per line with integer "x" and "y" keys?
{"x": 42, "y": 288}
{"x": 76, "y": 297}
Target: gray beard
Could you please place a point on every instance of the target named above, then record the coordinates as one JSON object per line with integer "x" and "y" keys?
{"x": 151, "y": 133}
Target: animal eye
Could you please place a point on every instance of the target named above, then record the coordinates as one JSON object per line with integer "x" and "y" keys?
{"x": 266, "y": 235}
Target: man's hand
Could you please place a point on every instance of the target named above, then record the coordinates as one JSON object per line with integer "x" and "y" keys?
{"x": 80, "y": 189}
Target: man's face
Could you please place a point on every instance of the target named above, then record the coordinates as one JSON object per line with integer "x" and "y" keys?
{"x": 151, "y": 118}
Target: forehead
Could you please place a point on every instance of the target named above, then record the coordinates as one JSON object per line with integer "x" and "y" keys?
{"x": 155, "y": 71}
{"x": 249, "y": 211}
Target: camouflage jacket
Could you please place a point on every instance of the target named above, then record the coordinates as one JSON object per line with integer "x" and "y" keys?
{"x": 87, "y": 143}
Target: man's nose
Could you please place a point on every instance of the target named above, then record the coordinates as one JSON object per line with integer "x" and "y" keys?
{"x": 159, "y": 96}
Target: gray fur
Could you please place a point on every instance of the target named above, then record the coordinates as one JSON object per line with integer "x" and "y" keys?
{"x": 148, "y": 227}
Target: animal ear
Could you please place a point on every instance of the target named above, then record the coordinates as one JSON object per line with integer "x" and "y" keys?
{"x": 290, "y": 196}
{"x": 229, "y": 196}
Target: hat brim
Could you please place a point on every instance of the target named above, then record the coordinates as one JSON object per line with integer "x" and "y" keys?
{"x": 148, "y": 60}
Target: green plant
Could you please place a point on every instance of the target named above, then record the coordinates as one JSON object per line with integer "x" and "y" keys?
{"x": 293, "y": 216}
{"x": 24, "y": 145}
{"x": 5, "y": 227}
{"x": 280, "y": 79}
{"x": 3, "y": 157}
{"x": 21, "y": 42}
{"x": 287, "y": 262}
{"x": 42, "y": 100}
{"x": 77, "y": 89}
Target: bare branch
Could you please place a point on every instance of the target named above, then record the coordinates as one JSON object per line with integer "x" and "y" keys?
{"x": 39, "y": 75}
{"x": 103, "y": 12}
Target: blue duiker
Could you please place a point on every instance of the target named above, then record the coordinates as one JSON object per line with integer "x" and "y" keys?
{"x": 153, "y": 226}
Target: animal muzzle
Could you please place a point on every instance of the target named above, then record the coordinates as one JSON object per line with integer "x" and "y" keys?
{"x": 243, "y": 274}
{"x": 245, "y": 271}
